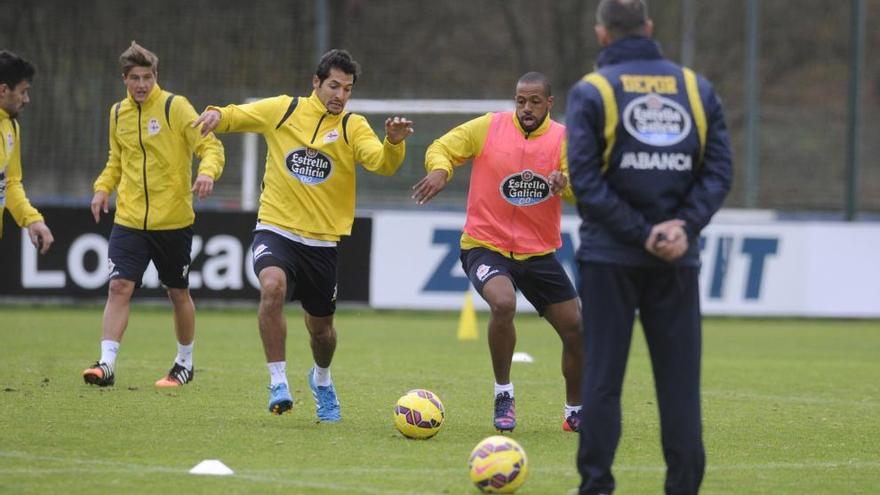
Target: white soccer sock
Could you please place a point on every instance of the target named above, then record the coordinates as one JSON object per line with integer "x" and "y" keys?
{"x": 571, "y": 409}
{"x": 277, "y": 372}
{"x": 185, "y": 355}
{"x": 109, "y": 349}
{"x": 322, "y": 376}
{"x": 508, "y": 387}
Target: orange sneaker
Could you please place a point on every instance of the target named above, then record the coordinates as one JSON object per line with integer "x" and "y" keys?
{"x": 177, "y": 376}
{"x": 99, "y": 374}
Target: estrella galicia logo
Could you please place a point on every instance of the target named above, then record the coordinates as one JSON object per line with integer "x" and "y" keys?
{"x": 656, "y": 120}
{"x": 525, "y": 188}
{"x": 309, "y": 166}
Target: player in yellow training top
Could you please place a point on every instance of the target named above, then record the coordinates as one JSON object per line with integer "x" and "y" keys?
{"x": 15, "y": 80}
{"x": 150, "y": 167}
{"x": 306, "y": 205}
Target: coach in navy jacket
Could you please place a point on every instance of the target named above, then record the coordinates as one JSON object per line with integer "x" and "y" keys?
{"x": 650, "y": 163}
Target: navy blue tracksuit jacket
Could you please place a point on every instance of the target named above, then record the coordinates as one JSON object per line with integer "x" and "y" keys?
{"x": 664, "y": 152}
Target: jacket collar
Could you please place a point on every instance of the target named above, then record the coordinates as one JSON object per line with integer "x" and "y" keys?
{"x": 3, "y": 114}
{"x": 629, "y": 48}
{"x": 537, "y": 132}
{"x": 154, "y": 94}
{"x": 319, "y": 107}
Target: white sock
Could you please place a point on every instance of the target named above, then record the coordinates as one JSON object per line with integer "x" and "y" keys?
{"x": 508, "y": 387}
{"x": 185, "y": 355}
{"x": 277, "y": 372}
{"x": 322, "y": 376}
{"x": 109, "y": 349}
{"x": 571, "y": 409}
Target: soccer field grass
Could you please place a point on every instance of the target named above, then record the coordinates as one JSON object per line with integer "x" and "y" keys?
{"x": 790, "y": 407}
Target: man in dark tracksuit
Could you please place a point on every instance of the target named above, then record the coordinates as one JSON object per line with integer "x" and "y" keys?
{"x": 650, "y": 164}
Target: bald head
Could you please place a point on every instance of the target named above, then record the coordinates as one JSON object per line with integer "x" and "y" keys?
{"x": 622, "y": 18}
{"x": 530, "y": 78}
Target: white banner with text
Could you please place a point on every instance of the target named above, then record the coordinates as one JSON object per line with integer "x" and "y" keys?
{"x": 749, "y": 268}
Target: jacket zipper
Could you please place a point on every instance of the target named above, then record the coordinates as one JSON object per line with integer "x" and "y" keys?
{"x": 514, "y": 212}
{"x": 144, "y": 151}
{"x": 317, "y": 128}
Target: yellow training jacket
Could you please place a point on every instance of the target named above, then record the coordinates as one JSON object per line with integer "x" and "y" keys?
{"x": 12, "y": 195}
{"x": 309, "y": 184}
{"x": 151, "y": 148}
{"x": 465, "y": 142}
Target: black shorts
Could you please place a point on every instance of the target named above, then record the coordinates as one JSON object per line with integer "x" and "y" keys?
{"x": 541, "y": 279}
{"x": 311, "y": 270}
{"x": 131, "y": 250}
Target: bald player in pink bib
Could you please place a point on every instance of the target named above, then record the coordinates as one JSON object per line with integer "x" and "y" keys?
{"x": 512, "y": 231}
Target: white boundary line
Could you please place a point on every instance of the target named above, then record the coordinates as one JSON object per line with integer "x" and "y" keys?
{"x": 261, "y": 475}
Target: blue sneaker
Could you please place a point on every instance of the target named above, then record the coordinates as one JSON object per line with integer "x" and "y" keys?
{"x": 280, "y": 400}
{"x": 326, "y": 404}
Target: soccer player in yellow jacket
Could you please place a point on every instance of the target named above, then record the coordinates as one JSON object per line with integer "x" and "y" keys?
{"x": 15, "y": 81}
{"x": 150, "y": 167}
{"x": 306, "y": 205}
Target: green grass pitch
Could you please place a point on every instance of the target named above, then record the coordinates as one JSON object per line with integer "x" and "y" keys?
{"x": 790, "y": 407}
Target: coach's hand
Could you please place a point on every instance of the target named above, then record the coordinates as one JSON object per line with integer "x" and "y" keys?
{"x": 671, "y": 250}
{"x": 429, "y": 186}
{"x": 41, "y": 236}
{"x": 668, "y": 240}
{"x": 558, "y": 181}
{"x": 100, "y": 202}
{"x": 397, "y": 129}
{"x": 203, "y": 186}
{"x": 209, "y": 120}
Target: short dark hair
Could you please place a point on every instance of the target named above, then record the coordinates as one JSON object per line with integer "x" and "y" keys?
{"x": 536, "y": 78}
{"x": 14, "y": 69}
{"x": 138, "y": 56}
{"x": 337, "y": 59}
{"x": 623, "y": 17}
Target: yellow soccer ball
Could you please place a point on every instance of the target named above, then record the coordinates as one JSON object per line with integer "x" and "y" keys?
{"x": 419, "y": 414}
{"x": 498, "y": 464}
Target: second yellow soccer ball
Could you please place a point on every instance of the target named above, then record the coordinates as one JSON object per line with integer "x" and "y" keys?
{"x": 498, "y": 464}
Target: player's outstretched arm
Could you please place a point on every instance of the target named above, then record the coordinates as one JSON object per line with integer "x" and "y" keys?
{"x": 209, "y": 120}
{"x": 208, "y": 148}
{"x": 397, "y": 129}
{"x": 430, "y": 186}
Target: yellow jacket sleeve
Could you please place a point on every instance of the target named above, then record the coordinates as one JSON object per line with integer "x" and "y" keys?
{"x": 380, "y": 157}
{"x": 567, "y": 193}
{"x": 209, "y": 149}
{"x": 109, "y": 178}
{"x": 458, "y": 145}
{"x": 16, "y": 200}
{"x": 259, "y": 116}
